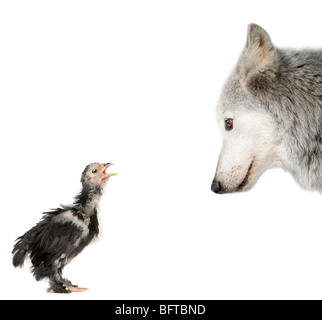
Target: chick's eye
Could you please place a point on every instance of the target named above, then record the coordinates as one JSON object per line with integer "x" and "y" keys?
{"x": 94, "y": 170}
{"x": 228, "y": 124}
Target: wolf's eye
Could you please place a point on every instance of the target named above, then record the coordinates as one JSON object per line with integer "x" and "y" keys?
{"x": 228, "y": 124}
{"x": 94, "y": 170}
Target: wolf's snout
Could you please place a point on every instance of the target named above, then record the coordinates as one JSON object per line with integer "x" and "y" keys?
{"x": 216, "y": 186}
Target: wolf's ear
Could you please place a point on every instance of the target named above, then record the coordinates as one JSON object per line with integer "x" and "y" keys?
{"x": 259, "y": 46}
{"x": 259, "y": 60}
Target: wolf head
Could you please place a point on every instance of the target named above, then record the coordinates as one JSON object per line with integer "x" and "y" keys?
{"x": 250, "y": 139}
{"x": 270, "y": 115}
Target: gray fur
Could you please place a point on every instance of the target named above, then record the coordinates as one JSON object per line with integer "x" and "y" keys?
{"x": 286, "y": 85}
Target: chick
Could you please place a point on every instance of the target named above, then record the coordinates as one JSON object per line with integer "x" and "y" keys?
{"x": 64, "y": 232}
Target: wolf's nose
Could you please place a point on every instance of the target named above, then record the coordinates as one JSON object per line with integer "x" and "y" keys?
{"x": 216, "y": 187}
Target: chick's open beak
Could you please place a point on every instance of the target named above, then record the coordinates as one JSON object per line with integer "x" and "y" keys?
{"x": 107, "y": 175}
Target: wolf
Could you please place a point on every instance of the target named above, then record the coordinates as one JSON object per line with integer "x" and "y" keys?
{"x": 270, "y": 115}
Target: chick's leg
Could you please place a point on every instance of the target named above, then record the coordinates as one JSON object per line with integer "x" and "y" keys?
{"x": 72, "y": 287}
{"x": 58, "y": 284}
{"x": 65, "y": 280}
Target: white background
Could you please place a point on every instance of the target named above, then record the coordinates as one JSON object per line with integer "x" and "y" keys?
{"x": 136, "y": 83}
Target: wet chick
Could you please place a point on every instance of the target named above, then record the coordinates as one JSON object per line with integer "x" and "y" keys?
{"x": 64, "y": 232}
